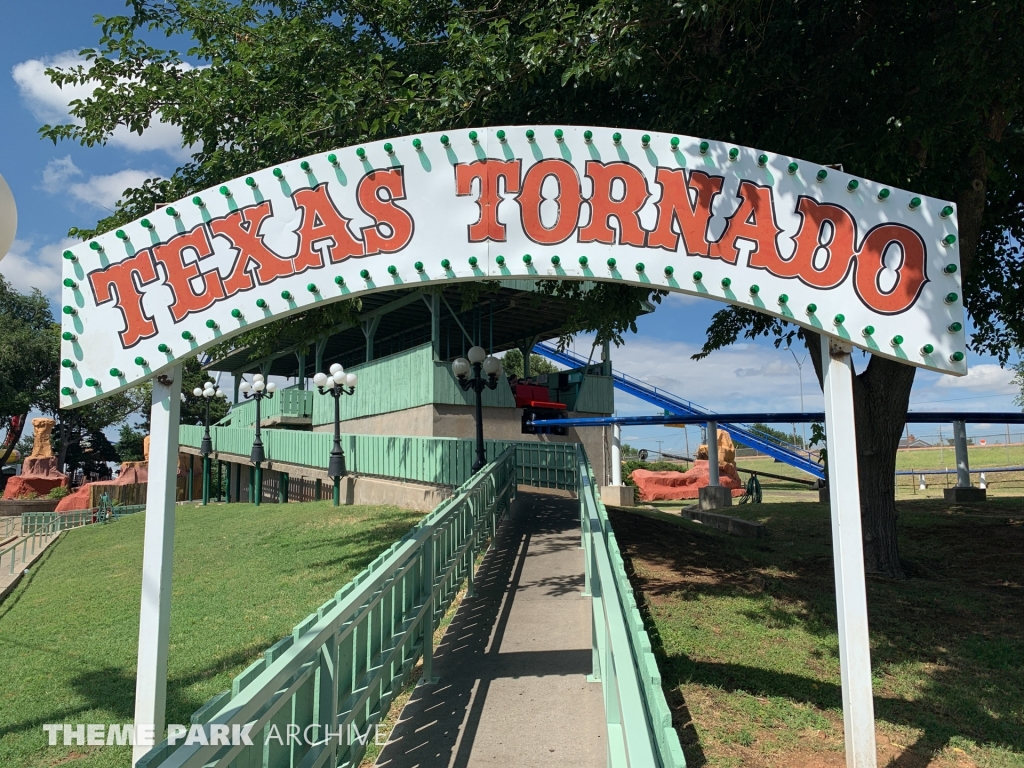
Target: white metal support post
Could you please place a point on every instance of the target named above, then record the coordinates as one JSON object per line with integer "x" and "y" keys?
{"x": 848, "y": 553}
{"x": 713, "y": 477}
{"x": 963, "y": 466}
{"x": 616, "y": 454}
{"x": 158, "y": 553}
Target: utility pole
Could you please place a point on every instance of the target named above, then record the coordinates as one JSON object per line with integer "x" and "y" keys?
{"x": 800, "y": 374}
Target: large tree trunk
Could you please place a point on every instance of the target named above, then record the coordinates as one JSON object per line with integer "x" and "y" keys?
{"x": 881, "y": 395}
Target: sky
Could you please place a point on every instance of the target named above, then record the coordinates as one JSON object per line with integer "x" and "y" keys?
{"x": 58, "y": 187}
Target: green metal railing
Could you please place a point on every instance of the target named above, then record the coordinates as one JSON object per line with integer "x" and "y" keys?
{"x": 7, "y": 526}
{"x": 23, "y": 550}
{"x": 439, "y": 460}
{"x": 640, "y": 731}
{"x": 340, "y": 669}
{"x": 36, "y": 521}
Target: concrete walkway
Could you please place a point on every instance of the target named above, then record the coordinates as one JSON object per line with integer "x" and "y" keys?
{"x": 512, "y": 667}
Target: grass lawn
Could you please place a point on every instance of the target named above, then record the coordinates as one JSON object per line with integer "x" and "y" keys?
{"x": 745, "y": 632}
{"x": 243, "y": 577}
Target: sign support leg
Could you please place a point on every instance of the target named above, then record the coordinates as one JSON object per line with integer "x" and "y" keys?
{"x": 848, "y": 553}
{"x": 158, "y": 552}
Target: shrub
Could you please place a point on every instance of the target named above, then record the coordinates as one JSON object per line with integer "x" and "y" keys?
{"x": 59, "y": 492}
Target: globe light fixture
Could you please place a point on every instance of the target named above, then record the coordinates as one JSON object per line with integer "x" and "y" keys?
{"x": 336, "y": 384}
{"x": 480, "y": 363}
{"x": 258, "y": 390}
{"x": 207, "y": 393}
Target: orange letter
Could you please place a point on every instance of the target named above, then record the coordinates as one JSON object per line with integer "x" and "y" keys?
{"x": 488, "y": 172}
{"x": 241, "y": 228}
{"x": 569, "y": 199}
{"x": 117, "y": 283}
{"x": 910, "y": 271}
{"x": 384, "y": 211}
{"x": 754, "y": 220}
{"x": 180, "y": 275}
{"x": 838, "y": 246}
{"x": 675, "y": 206}
{"x": 322, "y": 228}
{"x": 626, "y": 211}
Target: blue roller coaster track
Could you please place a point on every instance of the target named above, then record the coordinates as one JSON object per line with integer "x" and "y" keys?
{"x": 780, "y": 450}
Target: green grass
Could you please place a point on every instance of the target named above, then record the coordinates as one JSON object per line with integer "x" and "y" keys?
{"x": 243, "y": 577}
{"x": 746, "y": 636}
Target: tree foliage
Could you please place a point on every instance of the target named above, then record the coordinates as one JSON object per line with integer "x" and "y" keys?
{"x": 512, "y": 364}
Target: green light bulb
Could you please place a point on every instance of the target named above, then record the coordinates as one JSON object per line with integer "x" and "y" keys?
{"x": 333, "y": 159}
{"x": 473, "y": 137}
{"x": 501, "y": 136}
{"x": 822, "y": 175}
{"x": 669, "y": 270}
{"x": 555, "y": 260}
{"x": 698, "y": 276}
{"x": 734, "y": 153}
{"x": 559, "y": 134}
{"x": 187, "y": 336}
{"x": 212, "y": 324}
{"x": 472, "y": 261}
{"x": 616, "y": 138}
{"x": 311, "y": 287}
{"x": 883, "y": 194}
{"x": 704, "y": 146}
{"x": 365, "y": 274}
{"x": 164, "y": 349}
{"x": 198, "y": 202}
{"x": 361, "y": 153}
{"x": 236, "y": 313}
{"x": 418, "y": 266}
{"x": 67, "y": 391}
{"x": 172, "y": 212}
{"x": 726, "y": 282}
{"x": 68, "y": 363}
{"x": 838, "y": 319}
{"x": 527, "y": 259}
{"x": 121, "y": 235}
{"x": 611, "y": 263}
{"x": 69, "y": 283}
{"x": 91, "y": 382}
{"x": 640, "y": 267}
{"x": 949, "y": 239}
{"x": 147, "y": 224}
{"x": 946, "y": 212}
{"x": 99, "y": 248}
{"x": 852, "y": 186}
{"x": 791, "y": 168}
{"x": 141, "y": 361}
{"x": 250, "y": 182}
{"x": 762, "y": 160}
{"x": 949, "y": 269}
{"x": 754, "y": 290}
{"x": 529, "y": 134}
{"x": 868, "y": 330}
{"x": 388, "y": 148}
{"x": 500, "y": 260}
{"x": 927, "y": 349}
{"x": 915, "y": 203}
{"x": 261, "y": 303}
{"x": 286, "y": 295}
{"x": 69, "y": 336}
{"x": 783, "y": 299}
{"x": 811, "y": 309}
{"x": 70, "y": 256}
{"x": 417, "y": 145}
{"x": 117, "y": 373}
{"x": 339, "y": 280}
{"x": 583, "y": 260}
{"x": 304, "y": 165}
{"x": 445, "y": 264}
{"x": 674, "y": 142}
{"x": 896, "y": 340}
{"x": 645, "y": 140}
{"x": 69, "y": 310}
{"x": 950, "y": 298}
{"x": 956, "y": 357}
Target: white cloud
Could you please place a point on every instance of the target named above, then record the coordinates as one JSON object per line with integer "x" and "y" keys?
{"x": 27, "y": 267}
{"x": 49, "y": 104}
{"x": 987, "y": 377}
{"x": 98, "y": 191}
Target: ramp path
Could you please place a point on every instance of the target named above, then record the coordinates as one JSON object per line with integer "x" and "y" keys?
{"x": 511, "y": 670}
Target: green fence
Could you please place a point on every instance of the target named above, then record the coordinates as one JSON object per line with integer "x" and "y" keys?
{"x": 439, "y": 460}
{"x": 287, "y": 403}
{"x": 34, "y": 522}
{"x": 340, "y": 668}
{"x": 640, "y": 731}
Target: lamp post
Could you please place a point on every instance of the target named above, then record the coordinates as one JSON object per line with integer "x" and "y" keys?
{"x": 207, "y": 392}
{"x": 258, "y": 390}
{"x": 478, "y": 361}
{"x": 333, "y": 384}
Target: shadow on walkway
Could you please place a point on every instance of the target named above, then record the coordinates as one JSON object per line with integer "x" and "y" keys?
{"x": 512, "y": 665}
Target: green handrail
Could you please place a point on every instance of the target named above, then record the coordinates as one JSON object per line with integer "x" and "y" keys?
{"x": 342, "y": 666}
{"x": 639, "y": 721}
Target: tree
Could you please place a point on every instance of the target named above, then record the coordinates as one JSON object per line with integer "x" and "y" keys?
{"x": 130, "y": 444}
{"x": 913, "y": 94}
{"x": 512, "y": 364}
{"x": 779, "y": 435}
{"x": 193, "y": 409}
{"x": 29, "y": 358}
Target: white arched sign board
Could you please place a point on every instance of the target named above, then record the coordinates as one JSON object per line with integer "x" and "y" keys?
{"x": 871, "y": 266}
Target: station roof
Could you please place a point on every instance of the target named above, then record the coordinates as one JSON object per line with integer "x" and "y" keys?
{"x": 505, "y": 318}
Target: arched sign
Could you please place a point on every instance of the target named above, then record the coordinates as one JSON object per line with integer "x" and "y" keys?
{"x": 873, "y": 266}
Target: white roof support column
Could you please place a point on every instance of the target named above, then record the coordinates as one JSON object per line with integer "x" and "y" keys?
{"x": 848, "y": 553}
{"x": 158, "y": 553}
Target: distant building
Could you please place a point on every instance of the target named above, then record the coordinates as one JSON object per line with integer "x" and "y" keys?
{"x": 914, "y": 442}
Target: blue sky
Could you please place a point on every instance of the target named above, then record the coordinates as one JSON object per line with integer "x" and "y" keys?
{"x": 57, "y": 187}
